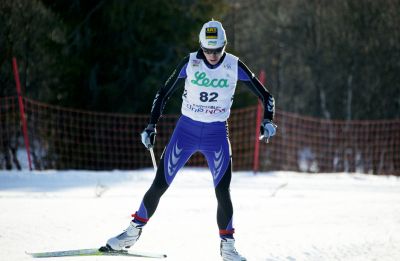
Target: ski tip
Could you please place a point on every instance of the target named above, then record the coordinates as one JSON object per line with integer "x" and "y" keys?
{"x": 32, "y": 254}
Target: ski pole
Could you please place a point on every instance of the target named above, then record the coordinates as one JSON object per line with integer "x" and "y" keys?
{"x": 153, "y": 159}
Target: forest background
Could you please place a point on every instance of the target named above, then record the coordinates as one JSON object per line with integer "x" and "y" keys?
{"x": 328, "y": 59}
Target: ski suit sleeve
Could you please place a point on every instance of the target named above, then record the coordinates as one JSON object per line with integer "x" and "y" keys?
{"x": 164, "y": 93}
{"x": 248, "y": 77}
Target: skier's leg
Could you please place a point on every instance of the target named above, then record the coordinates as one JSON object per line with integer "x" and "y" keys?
{"x": 225, "y": 208}
{"x": 164, "y": 177}
{"x": 152, "y": 196}
{"x": 172, "y": 160}
{"x": 220, "y": 163}
{"x": 224, "y": 218}
{"x": 178, "y": 151}
{"x": 218, "y": 155}
{"x": 148, "y": 206}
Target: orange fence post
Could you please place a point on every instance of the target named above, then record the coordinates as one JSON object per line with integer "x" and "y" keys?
{"x": 22, "y": 111}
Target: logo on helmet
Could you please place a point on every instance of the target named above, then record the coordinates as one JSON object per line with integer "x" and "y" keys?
{"x": 211, "y": 33}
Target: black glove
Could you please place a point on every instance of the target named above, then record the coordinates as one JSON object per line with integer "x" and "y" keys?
{"x": 148, "y": 136}
{"x": 267, "y": 130}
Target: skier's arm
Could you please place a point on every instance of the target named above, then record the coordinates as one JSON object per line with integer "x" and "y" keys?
{"x": 248, "y": 77}
{"x": 165, "y": 92}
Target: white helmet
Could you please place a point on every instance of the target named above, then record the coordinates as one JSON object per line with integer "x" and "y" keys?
{"x": 212, "y": 35}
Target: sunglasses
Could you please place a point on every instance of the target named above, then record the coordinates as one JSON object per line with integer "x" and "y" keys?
{"x": 213, "y": 51}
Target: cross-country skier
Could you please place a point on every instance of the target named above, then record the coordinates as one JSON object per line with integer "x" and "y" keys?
{"x": 209, "y": 76}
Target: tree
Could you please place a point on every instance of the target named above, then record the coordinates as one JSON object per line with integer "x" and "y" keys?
{"x": 27, "y": 30}
{"x": 330, "y": 59}
{"x": 118, "y": 53}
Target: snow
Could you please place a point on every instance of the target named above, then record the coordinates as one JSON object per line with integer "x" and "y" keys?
{"x": 278, "y": 215}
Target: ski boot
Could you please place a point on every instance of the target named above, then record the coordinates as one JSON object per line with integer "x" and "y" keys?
{"x": 126, "y": 239}
{"x": 228, "y": 251}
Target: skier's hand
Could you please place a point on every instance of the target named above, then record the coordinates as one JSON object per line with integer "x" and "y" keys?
{"x": 148, "y": 136}
{"x": 267, "y": 130}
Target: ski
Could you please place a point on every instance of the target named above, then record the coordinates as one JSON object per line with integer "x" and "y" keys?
{"x": 103, "y": 251}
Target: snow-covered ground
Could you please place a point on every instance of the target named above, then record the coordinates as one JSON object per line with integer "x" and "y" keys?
{"x": 278, "y": 215}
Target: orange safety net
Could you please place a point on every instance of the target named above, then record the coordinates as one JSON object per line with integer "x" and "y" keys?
{"x": 62, "y": 138}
